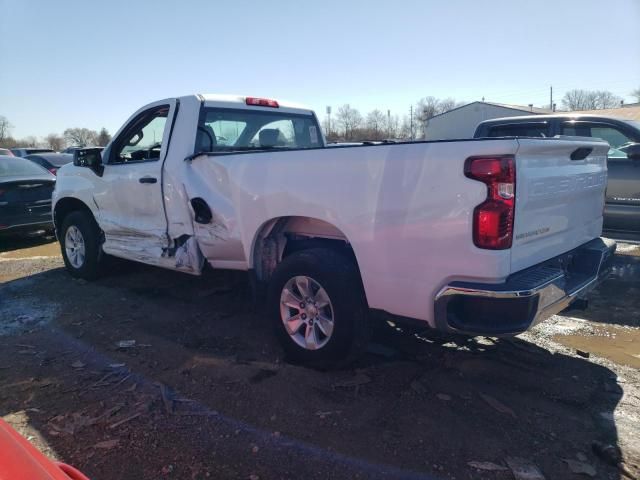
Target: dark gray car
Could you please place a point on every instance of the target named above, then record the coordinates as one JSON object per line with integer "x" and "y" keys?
{"x": 25, "y": 196}
{"x": 622, "y": 208}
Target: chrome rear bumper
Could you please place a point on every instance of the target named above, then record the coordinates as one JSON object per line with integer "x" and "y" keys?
{"x": 527, "y": 297}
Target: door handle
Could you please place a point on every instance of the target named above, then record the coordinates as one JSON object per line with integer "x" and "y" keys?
{"x": 148, "y": 180}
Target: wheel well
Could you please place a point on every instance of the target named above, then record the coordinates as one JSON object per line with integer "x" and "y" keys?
{"x": 65, "y": 206}
{"x": 280, "y": 237}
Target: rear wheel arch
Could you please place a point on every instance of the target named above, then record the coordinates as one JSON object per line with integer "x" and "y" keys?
{"x": 280, "y": 237}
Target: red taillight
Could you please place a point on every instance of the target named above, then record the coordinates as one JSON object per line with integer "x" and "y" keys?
{"x": 53, "y": 170}
{"x": 493, "y": 218}
{"x": 262, "y": 102}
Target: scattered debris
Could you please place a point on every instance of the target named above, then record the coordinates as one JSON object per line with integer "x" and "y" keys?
{"x": 579, "y": 467}
{"x": 107, "y": 444}
{"x": 523, "y": 469}
{"x": 443, "y": 396}
{"x": 125, "y": 420}
{"x": 326, "y": 414}
{"x": 358, "y": 380}
{"x": 167, "y": 398}
{"x": 78, "y": 365}
{"x": 117, "y": 365}
{"x": 489, "y": 466}
{"x": 498, "y": 405}
{"x": 123, "y": 344}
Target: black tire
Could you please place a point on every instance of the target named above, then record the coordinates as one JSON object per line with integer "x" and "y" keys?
{"x": 340, "y": 278}
{"x": 92, "y": 265}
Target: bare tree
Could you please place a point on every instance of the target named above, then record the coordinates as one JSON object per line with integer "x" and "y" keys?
{"x": 578, "y": 99}
{"x": 606, "y": 99}
{"x": 349, "y": 119}
{"x": 636, "y": 93}
{"x": 375, "y": 125}
{"x": 429, "y": 107}
{"x": 29, "y": 141}
{"x": 5, "y": 128}
{"x": 407, "y": 130}
{"x": 103, "y": 137}
{"x": 392, "y": 126}
{"x": 80, "y": 137}
{"x": 54, "y": 141}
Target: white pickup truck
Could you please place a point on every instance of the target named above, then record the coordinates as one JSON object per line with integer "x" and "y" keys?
{"x": 486, "y": 236}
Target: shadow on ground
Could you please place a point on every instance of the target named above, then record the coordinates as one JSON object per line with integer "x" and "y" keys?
{"x": 9, "y": 243}
{"x": 199, "y": 389}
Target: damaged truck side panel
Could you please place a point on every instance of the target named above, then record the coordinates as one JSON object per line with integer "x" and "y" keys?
{"x": 247, "y": 184}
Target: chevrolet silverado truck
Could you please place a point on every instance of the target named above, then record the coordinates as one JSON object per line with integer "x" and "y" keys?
{"x": 480, "y": 237}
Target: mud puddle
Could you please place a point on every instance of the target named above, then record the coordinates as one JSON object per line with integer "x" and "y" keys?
{"x": 618, "y": 344}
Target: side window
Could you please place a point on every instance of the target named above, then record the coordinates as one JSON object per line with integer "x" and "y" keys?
{"x": 142, "y": 140}
{"x": 280, "y": 133}
{"x": 520, "y": 130}
{"x": 608, "y": 133}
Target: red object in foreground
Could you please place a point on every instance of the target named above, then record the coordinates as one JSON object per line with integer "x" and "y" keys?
{"x": 20, "y": 460}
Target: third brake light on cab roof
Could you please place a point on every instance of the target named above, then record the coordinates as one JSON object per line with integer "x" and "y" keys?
{"x": 261, "y": 102}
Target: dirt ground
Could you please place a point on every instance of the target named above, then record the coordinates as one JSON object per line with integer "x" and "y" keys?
{"x": 149, "y": 374}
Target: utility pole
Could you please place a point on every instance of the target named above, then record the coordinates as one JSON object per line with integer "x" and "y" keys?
{"x": 388, "y": 124}
{"x": 551, "y": 97}
{"x": 328, "y": 120}
{"x": 411, "y": 121}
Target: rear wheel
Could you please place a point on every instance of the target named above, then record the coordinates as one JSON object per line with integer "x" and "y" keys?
{"x": 318, "y": 309}
{"x": 80, "y": 245}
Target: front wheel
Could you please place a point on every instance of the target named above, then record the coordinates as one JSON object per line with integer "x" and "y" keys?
{"x": 80, "y": 245}
{"x": 318, "y": 309}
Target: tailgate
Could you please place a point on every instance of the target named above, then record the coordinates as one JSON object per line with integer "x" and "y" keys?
{"x": 559, "y": 200}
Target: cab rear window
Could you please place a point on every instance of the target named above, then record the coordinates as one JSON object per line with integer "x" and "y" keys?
{"x": 519, "y": 130}
{"x": 224, "y": 130}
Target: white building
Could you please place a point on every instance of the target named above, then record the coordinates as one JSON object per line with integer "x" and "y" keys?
{"x": 461, "y": 122}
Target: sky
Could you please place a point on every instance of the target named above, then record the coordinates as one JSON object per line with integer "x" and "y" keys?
{"x": 80, "y": 63}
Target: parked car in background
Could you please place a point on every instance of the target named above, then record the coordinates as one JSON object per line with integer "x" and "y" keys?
{"x": 23, "y": 152}
{"x": 51, "y": 161}
{"x": 6, "y": 152}
{"x": 622, "y": 208}
{"x": 464, "y": 236}
{"x": 25, "y": 196}
{"x": 72, "y": 150}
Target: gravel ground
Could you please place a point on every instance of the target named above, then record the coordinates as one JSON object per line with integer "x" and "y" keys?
{"x": 148, "y": 374}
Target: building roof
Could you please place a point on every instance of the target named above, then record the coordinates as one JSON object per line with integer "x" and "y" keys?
{"x": 518, "y": 108}
{"x": 631, "y": 112}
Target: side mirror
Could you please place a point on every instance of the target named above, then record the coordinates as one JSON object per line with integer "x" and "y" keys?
{"x": 633, "y": 151}
{"x": 89, "y": 158}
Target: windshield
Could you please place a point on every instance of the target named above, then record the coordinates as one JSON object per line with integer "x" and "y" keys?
{"x": 16, "y": 166}
{"x": 223, "y": 130}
